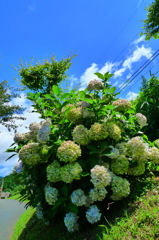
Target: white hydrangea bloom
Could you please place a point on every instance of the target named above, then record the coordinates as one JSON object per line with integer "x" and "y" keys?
{"x": 30, "y": 154}
{"x": 51, "y": 195}
{"x": 68, "y": 151}
{"x": 137, "y": 149}
{"x": 114, "y": 131}
{"x": 44, "y": 132}
{"x": 98, "y": 132}
{"x": 141, "y": 119}
{"x": 22, "y": 137}
{"x": 95, "y": 85}
{"x": 34, "y": 126}
{"x": 93, "y": 214}
{"x": 154, "y": 155}
{"x": 122, "y": 105}
{"x": 78, "y": 197}
{"x": 100, "y": 176}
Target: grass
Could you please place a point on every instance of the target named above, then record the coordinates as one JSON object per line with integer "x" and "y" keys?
{"x": 15, "y": 197}
{"x": 138, "y": 220}
{"x": 22, "y": 223}
{"x": 141, "y": 224}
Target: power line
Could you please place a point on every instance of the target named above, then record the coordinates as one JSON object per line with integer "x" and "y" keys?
{"x": 136, "y": 73}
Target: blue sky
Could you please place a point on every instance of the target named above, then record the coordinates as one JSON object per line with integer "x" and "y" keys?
{"x": 105, "y": 35}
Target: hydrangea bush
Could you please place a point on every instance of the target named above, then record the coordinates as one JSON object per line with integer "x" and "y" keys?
{"x": 84, "y": 154}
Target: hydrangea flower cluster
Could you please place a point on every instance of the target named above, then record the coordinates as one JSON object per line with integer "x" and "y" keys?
{"x": 137, "y": 149}
{"x": 114, "y": 131}
{"x": 98, "y": 131}
{"x": 141, "y": 119}
{"x": 81, "y": 135}
{"x": 96, "y": 194}
{"x": 68, "y": 151}
{"x": 75, "y": 115}
{"x": 122, "y": 105}
{"x": 93, "y": 214}
{"x": 120, "y": 165}
{"x": 22, "y": 137}
{"x": 70, "y": 172}
{"x": 70, "y": 221}
{"x": 78, "y": 197}
{"x": 54, "y": 172}
{"x": 100, "y": 176}
{"x": 44, "y": 132}
{"x": 95, "y": 85}
{"x": 29, "y": 154}
{"x": 154, "y": 155}
{"x": 157, "y": 143}
{"x": 34, "y": 127}
{"x": 137, "y": 170}
{"x": 120, "y": 188}
{"x": 51, "y": 195}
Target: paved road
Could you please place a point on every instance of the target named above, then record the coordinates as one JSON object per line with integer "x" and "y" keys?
{"x": 10, "y": 211}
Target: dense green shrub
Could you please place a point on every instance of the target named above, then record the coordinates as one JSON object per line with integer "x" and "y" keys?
{"x": 86, "y": 152}
{"x": 147, "y": 104}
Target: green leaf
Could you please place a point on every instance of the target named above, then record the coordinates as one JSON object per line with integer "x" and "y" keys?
{"x": 11, "y": 156}
{"x": 99, "y": 75}
{"x": 56, "y": 90}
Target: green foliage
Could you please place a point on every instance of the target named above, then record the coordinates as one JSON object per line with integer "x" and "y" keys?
{"x": 6, "y": 109}
{"x": 147, "y": 103}
{"x": 62, "y": 190}
{"x": 139, "y": 221}
{"x": 13, "y": 183}
{"x": 42, "y": 76}
{"x": 151, "y": 24}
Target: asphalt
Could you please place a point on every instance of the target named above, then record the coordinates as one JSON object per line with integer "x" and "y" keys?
{"x": 10, "y": 211}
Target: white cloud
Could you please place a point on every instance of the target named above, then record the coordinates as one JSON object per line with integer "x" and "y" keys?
{"x": 88, "y": 75}
{"x": 6, "y": 138}
{"x": 131, "y": 95}
{"x": 119, "y": 72}
{"x": 137, "y": 55}
{"x": 139, "y": 40}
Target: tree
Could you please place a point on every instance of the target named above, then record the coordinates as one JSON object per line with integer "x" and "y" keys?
{"x": 7, "y": 109}
{"x": 151, "y": 24}
{"x": 147, "y": 103}
{"x": 42, "y": 76}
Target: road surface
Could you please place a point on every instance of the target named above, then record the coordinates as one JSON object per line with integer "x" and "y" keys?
{"x": 10, "y": 211}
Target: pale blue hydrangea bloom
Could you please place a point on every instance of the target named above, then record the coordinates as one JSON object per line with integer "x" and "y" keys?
{"x": 51, "y": 195}
{"x": 78, "y": 197}
{"x": 44, "y": 132}
{"x": 70, "y": 221}
{"x": 93, "y": 214}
